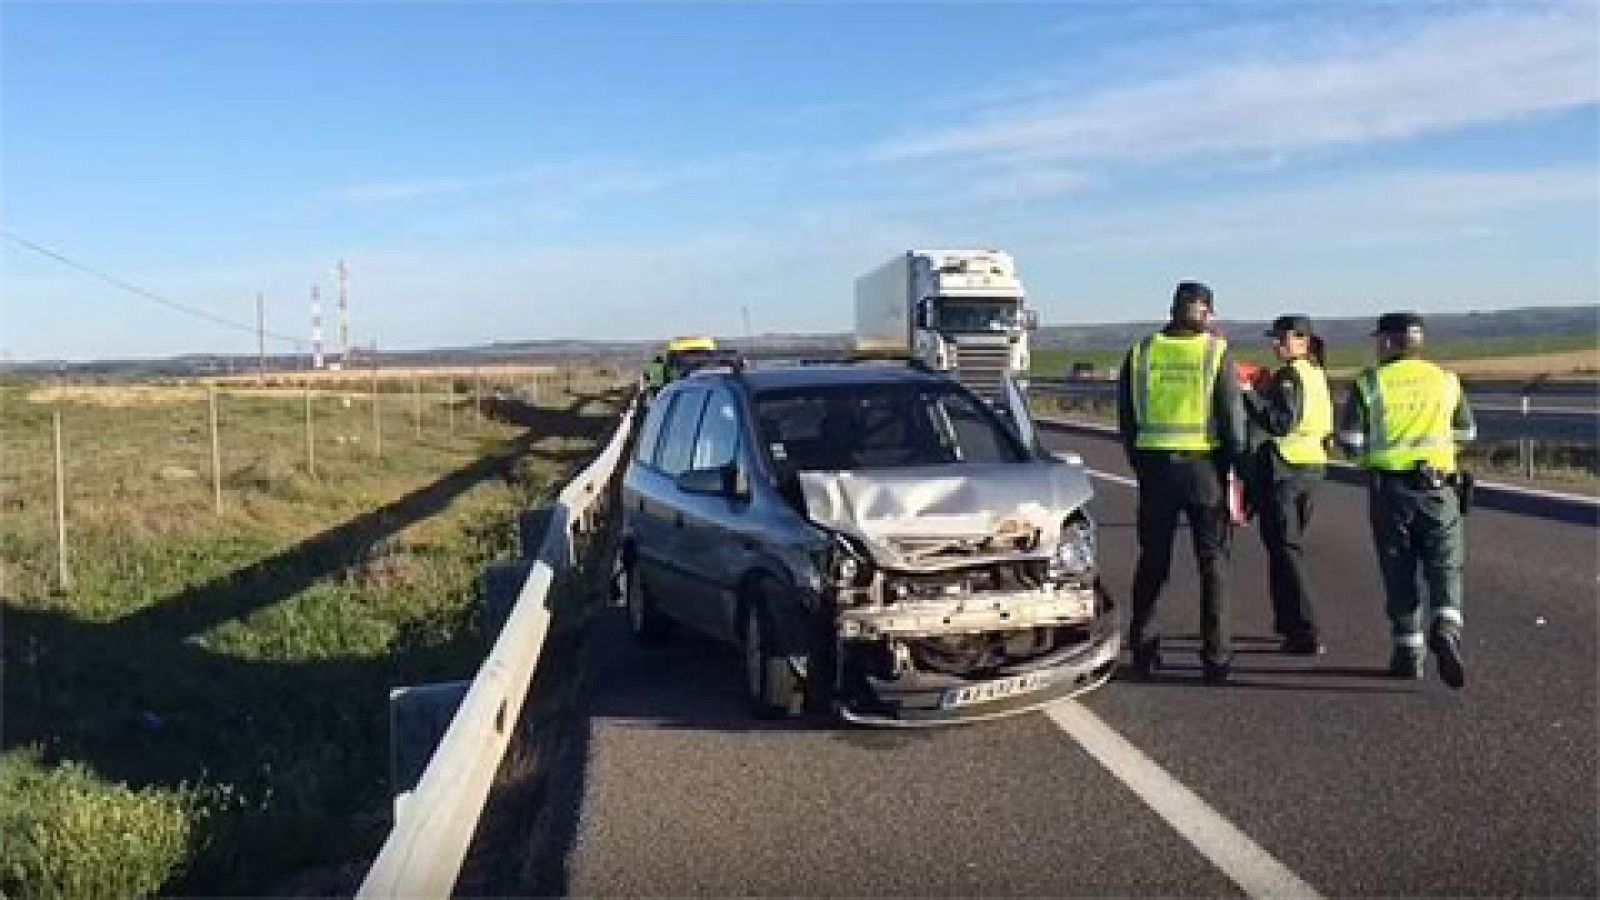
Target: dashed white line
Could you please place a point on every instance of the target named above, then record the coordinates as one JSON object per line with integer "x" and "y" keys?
{"x": 1232, "y": 851}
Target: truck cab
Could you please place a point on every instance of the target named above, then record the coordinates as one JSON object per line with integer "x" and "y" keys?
{"x": 964, "y": 312}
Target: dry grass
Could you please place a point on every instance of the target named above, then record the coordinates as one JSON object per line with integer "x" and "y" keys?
{"x": 232, "y": 669}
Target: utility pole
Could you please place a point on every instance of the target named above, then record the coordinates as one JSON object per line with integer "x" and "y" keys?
{"x": 316, "y": 328}
{"x": 747, "y": 334}
{"x": 344, "y": 314}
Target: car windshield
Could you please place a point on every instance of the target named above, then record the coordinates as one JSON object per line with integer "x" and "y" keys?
{"x": 880, "y": 426}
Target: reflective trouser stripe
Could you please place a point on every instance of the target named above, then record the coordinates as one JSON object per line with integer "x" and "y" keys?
{"x": 1448, "y": 614}
{"x": 1409, "y": 639}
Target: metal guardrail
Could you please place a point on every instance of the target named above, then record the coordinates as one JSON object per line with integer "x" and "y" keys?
{"x": 425, "y": 850}
{"x": 1514, "y": 498}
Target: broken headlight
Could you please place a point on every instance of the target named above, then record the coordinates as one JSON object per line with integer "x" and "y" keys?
{"x": 848, "y": 565}
{"x": 1075, "y": 553}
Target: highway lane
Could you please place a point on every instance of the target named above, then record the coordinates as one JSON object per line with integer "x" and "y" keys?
{"x": 1355, "y": 783}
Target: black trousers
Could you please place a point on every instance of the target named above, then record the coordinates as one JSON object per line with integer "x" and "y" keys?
{"x": 1171, "y": 484}
{"x": 1284, "y": 514}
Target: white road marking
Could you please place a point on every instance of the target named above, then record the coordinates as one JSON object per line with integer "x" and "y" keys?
{"x": 1232, "y": 851}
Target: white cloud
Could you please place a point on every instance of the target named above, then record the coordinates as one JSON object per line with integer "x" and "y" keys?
{"x": 1336, "y": 89}
{"x": 1394, "y": 208}
{"x": 570, "y": 179}
{"x": 1028, "y": 184}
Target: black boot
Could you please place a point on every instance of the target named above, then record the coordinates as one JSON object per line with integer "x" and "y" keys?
{"x": 1405, "y": 663}
{"x": 1445, "y": 642}
{"x": 1215, "y": 673}
{"x": 1146, "y": 659}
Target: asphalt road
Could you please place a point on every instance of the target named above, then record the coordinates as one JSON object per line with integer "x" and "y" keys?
{"x": 1354, "y": 783}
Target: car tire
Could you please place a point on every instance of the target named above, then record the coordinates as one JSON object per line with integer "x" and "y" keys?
{"x": 771, "y": 687}
{"x": 645, "y": 622}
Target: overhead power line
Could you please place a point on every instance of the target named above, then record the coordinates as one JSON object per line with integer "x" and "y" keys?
{"x": 141, "y": 292}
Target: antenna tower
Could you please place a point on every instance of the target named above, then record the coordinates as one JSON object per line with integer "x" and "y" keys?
{"x": 316, "y": 328}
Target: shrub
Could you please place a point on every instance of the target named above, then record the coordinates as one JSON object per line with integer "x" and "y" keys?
{"x": 66, "y": 833}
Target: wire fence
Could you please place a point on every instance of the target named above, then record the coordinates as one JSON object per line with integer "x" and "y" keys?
{"x": 124, "y": 461}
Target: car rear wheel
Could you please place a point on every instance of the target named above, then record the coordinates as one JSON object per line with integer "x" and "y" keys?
{"x": 770, "y": 684}
{"x": 645, "y": 622}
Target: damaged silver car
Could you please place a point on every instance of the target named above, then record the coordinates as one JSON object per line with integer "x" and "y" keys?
{"x": 877, "y": 542}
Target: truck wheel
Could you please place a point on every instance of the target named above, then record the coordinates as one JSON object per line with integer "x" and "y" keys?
{"x": 645, "y": 622}
{"x": 770, "y": 685}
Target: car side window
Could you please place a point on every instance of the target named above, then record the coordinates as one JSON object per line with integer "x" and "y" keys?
{"x": 718, "y": 439}
{"x": 650, "y": 431}
{"x": 677, "y": 442}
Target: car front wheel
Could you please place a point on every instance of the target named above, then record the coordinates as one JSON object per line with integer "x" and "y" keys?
{"x": 771, "y": 686}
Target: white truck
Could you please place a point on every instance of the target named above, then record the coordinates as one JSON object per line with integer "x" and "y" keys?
{"x": 963, "y": 311}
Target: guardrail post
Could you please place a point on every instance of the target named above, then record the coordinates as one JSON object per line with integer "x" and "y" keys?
{"x": 1525, "y": 443}
{"x": 418, "y": 717}
{"x": 498, "y": 592}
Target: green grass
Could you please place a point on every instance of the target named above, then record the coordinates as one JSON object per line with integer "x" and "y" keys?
{"x": 204, "y": 710}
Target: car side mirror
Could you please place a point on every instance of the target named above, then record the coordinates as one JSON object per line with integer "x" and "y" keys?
{"x": 722, "y": 481}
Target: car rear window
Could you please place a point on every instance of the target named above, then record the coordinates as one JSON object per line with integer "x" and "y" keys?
{"x": 874, "y": 426}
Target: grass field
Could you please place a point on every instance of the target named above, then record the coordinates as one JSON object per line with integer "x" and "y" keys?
{"x": 1558, "y": 355}
{"x": 204, "y": 710}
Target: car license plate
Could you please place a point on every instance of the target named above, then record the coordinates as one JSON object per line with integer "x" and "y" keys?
{"x": 992, "y": 690}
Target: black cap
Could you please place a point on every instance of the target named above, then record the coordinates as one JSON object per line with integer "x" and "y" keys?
{"x": 1295, "y": 322}
{"x": 1398, "y": 323}
{"x": 1192, "y": 292}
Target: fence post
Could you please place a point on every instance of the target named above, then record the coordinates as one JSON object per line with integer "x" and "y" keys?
{"x": 216, "y": 448}
{"x": 63, "y": 574}
{"x": 1525, "y": 443}
{"x": 450, "y": 402}
{"x": 311, "y": 440}
{"x": 377, "y": 424}
{"x": 477, "y": 395}
{"x": 416, "y": 396}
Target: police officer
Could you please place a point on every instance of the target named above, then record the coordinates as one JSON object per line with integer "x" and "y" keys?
{"x": 655, "y": 374}
{"x": 1295, "y": 413}
{"x": 1403, "y": 419}
{"x": 1182, "y": 425}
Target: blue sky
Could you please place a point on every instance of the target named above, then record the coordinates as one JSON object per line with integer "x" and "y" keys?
{"x": 520, "y": 171}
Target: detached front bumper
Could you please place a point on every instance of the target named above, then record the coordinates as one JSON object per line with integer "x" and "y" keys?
{"x": 921, "y": 698}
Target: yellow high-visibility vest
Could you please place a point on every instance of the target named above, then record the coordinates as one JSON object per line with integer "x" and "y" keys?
{"x": 1172, "y": 380}
{"x": 1410, "y": 404}
{"x": 1305, "y": 444}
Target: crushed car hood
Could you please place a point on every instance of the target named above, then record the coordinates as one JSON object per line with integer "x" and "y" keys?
{"x": 940, "y": 517}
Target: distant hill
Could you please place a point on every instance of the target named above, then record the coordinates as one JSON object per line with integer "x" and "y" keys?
{"x": 1521, "y": 330}
{"x": 1442, "y": 328}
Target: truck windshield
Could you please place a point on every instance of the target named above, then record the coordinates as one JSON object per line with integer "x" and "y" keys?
{"x": 978, "y": 315}
{"x": 880, "y": 426}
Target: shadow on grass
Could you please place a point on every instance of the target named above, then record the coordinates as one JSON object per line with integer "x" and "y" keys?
{"x": 304, "y": 744}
